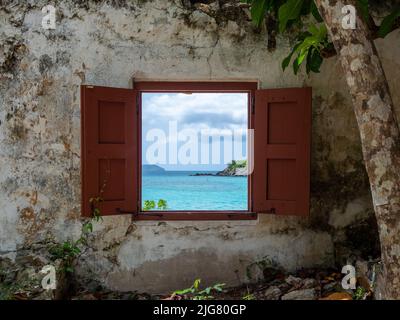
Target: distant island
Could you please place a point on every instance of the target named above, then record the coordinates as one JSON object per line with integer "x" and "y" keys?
{"x": 152, "y": 169}
{"x": 237, "y": 168}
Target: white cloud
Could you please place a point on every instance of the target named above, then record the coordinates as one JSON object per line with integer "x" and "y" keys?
{"x": 207, "y": 114}
{"x": 195, "y": 111}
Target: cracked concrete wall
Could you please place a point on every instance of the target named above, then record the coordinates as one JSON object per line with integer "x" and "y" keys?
{"x": 107, "y": 43}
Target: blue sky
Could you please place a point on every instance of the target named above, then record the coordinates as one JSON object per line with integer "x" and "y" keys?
{"x": 217, "y": 113}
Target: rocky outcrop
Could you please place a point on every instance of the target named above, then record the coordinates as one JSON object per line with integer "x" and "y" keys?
{"x": 238, "y": 172}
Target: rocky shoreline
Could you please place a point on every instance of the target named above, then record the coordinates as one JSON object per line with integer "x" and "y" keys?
{"x": 228, "y": 172}
{"x": 233, "y": 172}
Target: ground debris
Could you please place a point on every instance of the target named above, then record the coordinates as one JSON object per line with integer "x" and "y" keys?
{"x": 305, "y": 284}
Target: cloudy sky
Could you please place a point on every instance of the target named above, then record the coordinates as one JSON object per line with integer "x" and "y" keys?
{"x": 193, "y": 116}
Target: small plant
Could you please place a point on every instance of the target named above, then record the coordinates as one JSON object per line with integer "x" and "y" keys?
{"x": 162, "y": 204}
{"x": 194, "y": 292}
{"x": 249, "y": 296}
{"x": 360, "y": 293}
{"x": 69, "y": 251}
{"x": 151, "y": 205}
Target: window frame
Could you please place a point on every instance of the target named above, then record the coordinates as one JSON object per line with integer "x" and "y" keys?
{"x": 195, "y": 87}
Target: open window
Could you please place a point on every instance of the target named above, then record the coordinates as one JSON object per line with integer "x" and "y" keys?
{"x": 132, "y": 161}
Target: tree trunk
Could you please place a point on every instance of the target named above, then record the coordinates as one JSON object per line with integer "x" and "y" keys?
{"x": 380, "y": 137}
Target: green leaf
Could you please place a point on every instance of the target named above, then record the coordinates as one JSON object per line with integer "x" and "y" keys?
{"x": 88, "y": 227}
{"x": 286, "y": 61}
{"x": 302, "y": 55}
{"x": 183, "y": 291}
{"x": 69, "y": 269}
{"x": 388, "y": 22}
{"x": 289, "y": 11}
{"x": 162, "y": 204}
{"x": 149, "y": 205}
{"x": 258, "y": 10}
{"x": 219, "y": 287}
{"x": 315, "y": 61}
{"x": 363, "y": 7}
{"x": 296, "y": 66}
{"x": 76, "y": 251}
{"x": 196, "y": 284}
{"x": 308, "y": 61}
{"x": 315, "y": 12}
{"x": 318, "y": 33}
{"x": 96, "y": 212}
{"x": 313, "y": 29}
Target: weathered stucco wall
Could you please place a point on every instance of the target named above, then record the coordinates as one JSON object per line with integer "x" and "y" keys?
{"x": 106, "y": 44}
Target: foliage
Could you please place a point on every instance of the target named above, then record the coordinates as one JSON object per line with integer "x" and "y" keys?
{"x": 249, "y": 296}
{"x": 69, "y": 251}
{"x": 309, "y": 47}
{"x": 195, "y": 293}
{"x": 289, "y": 11}
{"x": 162, "y": 204}
{"x": 151, "y": 205}
{"x": 388, "y": 23}
{"x": 258, "y": 10}
{"x": 237, "y": 164}
{"x": 360, "y": 293}
{"x": 310, "y": 44}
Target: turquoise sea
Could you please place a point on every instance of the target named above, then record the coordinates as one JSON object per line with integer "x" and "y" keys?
{"x": 185, "y": 192}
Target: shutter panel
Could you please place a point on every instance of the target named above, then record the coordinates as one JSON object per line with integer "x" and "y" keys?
{"x": 282, "y": 151}
{"x": 109, "y": 151}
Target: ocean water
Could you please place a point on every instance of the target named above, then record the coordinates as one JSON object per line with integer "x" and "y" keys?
{"x": 185, "y": 192}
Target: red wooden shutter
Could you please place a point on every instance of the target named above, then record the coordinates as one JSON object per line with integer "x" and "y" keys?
{"x": 282, "y": 151}
{"x": 109, "y": 149}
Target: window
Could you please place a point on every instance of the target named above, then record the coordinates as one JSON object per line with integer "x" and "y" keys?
{"x": 112, "y": 151}
{"x": 194, "y": 151}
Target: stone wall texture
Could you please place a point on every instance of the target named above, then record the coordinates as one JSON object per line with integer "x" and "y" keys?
{"x": 107, "y": 43}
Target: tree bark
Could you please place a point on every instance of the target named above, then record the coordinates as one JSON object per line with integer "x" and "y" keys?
{"x": 379, "y": 131}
